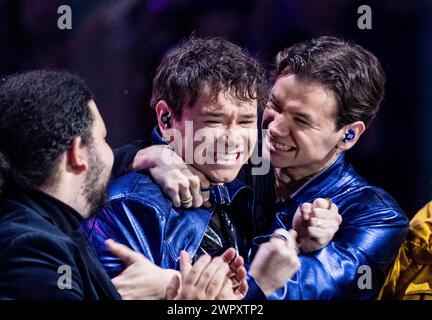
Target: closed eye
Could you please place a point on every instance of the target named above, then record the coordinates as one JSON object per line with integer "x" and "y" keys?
{"x": 302, "y": 121}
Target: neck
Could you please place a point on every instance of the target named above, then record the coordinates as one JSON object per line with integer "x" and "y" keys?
{"x": 288, "y": 180}
{"x": 286, "y": 185}
{"x": 67, "y": 195}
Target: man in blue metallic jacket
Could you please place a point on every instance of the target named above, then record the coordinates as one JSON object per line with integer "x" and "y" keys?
{"x": 205, "y": 94}
{"x": 326, "y": 93}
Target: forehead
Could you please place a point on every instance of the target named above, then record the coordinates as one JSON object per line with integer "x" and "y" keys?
{"x": 294, "y": 94}
{"x": 224, "y": 102}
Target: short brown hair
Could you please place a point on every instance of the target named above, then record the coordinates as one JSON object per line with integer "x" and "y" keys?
{"x": 215, "y": 63}
{"x": 351, "y": 72}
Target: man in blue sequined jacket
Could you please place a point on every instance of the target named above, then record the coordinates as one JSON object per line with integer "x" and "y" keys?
{"x": 326, "y": 93}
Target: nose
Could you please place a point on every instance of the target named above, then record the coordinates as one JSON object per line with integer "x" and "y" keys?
{"x": 279, "y": 127}
{"x": 233, "y": 139}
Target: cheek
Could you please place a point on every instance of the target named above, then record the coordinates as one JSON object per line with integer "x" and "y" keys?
{"x": 316, "y": 143}
{"x": 176, "y": 136}
{"x": 250, "y": 139}
{"x": 308, "y": 144}
{"x": 109, "y": 156}
{"x": 206, "y": 137}
{"x": 223, "y": 140}
{"x": 111, "y": 153}
{"x": 328, "y": 140}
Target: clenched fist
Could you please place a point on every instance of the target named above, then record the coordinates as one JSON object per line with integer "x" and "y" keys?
{"x": 276, "y": 261}
{"x": 316, "y": 224}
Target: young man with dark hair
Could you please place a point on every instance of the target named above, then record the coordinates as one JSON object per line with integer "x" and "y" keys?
{"x": 326, "y": 93}
{"x": 54, "y": 168}
{"x": 205, "y": 94}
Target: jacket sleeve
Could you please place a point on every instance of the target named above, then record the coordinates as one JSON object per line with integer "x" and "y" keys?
{"x": 124, "y": 155}
{"x": 132, "y": 222}
{"x": 355, "y": 262}
{"x": 254, "y": 291}
{"x": 36, "y": 266}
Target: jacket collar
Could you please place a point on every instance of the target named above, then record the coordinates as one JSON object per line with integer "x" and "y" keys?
{"x": 219, "y": 194}
{"x": 326, "y": 179}
{"x": 320, "y": 186}
{"x": 226, "y": 193}
{"x": 52, "y": 209}
{"x": 156, "y": 137}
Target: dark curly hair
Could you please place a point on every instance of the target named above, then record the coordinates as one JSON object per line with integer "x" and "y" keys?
{"x": 215, "y": 63}
{"x": 41, "y": 112}
{"x": 351, "y": 72}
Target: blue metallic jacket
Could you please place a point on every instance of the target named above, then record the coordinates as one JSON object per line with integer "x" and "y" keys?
{"x": 355, "y": 262}
{"x": 140, "y": 216}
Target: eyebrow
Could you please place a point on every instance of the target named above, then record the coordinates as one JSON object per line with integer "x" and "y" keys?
{"x": 212, "y": 114}
{"x": 275, "y": 99}
{"x": 249, "y": 115}
{"x": 222, "y": 114}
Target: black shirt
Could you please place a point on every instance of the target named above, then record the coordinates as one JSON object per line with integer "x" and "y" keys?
{"x": 44, "y": 254}
{"x": 221, "y": 234}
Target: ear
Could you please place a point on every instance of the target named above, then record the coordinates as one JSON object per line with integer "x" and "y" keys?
{"x": 358, "y": 127}
{"x": 162, "y": 109}
{"x": 77, "y": 157}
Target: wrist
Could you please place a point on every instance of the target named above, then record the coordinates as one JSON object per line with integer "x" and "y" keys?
{"x": 142, "y": 160}
{"x": 167, "y": 277}
{"x": 261, "y": 283}
{"x": 254, "y": 292}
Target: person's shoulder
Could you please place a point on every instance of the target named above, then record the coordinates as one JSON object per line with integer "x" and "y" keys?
{"x": 424, "y": 214}
{"x": 356, "y": 189}
{"x": 372, "y": 204}
{"x": 421, "y": 228}
{"x": 19, "y": 223}
{"x": 138, "y": 188}
{"x": 129, "y": 183}
{"x": 134, "y": 199}
{"x": 19, "y": 240}
{"x": 35, "y": 257}
{"x": 376, "y": 196}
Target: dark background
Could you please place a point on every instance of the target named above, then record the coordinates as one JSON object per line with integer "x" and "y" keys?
{"x": 116, "y": 45}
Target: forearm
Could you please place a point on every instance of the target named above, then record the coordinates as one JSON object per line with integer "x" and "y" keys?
{"x": 124, "y": 156}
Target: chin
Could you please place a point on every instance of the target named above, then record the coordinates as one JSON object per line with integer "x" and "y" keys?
{"x": 280, "y": 161}
{"x": 217, "y": 175}
{"x": 279, "y": 164}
